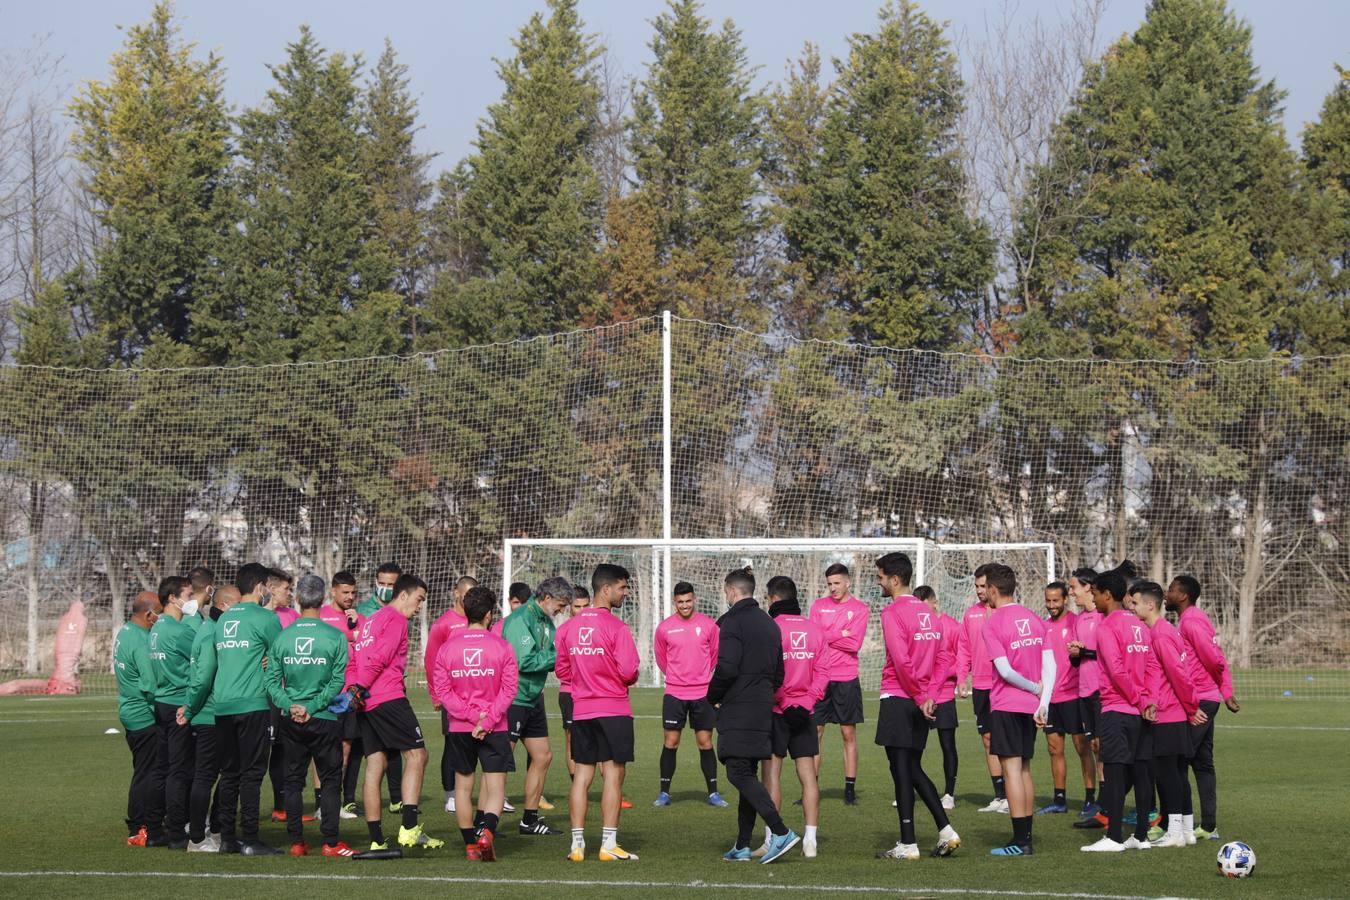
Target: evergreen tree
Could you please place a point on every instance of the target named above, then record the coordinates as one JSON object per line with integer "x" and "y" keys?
{"x": 1325, "y": 321}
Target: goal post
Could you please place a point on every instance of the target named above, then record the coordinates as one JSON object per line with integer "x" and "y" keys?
{"x": 656, "y": 565}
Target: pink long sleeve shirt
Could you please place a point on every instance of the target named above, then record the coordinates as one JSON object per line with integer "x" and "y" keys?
{"x": 382, "y": 656}
{"x": 841, "y": 650}
{"x": 686, "y": 653}
{"x": 287, "y": 615}
{"x": 598, "y": 658}
{"x": 971, "y": 657}
{"x": 804, "y": 676}
{"x": 1017, "y": 633}
{"x": 951, "y": 637}
{"x": 1122, "y": 652}
{"x": 1210, "y": 674}
{"x": 338, "y": 619}
{"x": 1058, "y": 633}
{"x": 446, "y": 624}
{"x": 1089, "y": 671}
{"x": 476, "y": 677}
{"x": 1169, "y": 677}
{"x": 916, "y": 663}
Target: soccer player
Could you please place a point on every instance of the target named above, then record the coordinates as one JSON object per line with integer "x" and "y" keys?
{"x": 242, "y": 638}
{"x": 1020, "y": 698}
{"x": 279, "y": 585}
{"x": 530, "y": 633}
{"x": 686, "y": 652}
{"x": 917, "y": 663}
{"x": 580, "y": 600}
{"x": 446, "y": 623}
{"x": 307, "y": 665}
{"x": 749, "y": 672}
{"x": 171, "y": 656}
{"x": 1175, "y": 709}
{"x": 598, "y": 658}
{"x": 202, "y": 812}
{"x": 388, "y": 723}
{"x": 1213, "y": 682}
{"x": 803, "y": 686}
{"x": 1121, "y": 659}
{"x": 340, "y": 612}
{"x": 1065, "y": 714}
{"x": 843, "y": 619}
{"x": 1083, "y": 655}
{"x": 136, "y": 689}
{"x": 203, "y": 588}
{"x": 946, "y": 722}
{"x": 972, "y": 660}
{"x": 477, "y": 678}
{"x": 386, "y": 576}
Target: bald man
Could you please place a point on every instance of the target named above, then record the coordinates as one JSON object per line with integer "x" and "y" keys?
{"x": 200, "y": 712}
{"x": 136, "y": 687}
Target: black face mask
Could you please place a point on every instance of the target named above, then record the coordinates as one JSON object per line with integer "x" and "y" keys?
{"x": 784, "y": 608}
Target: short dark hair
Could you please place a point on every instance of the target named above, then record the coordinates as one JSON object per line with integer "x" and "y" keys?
{"x": 1112, "y": 583}
{"x": 343, "y": 577}
{"x": 837, "y": 569}
{"x": 408, "y": 582}
{"x": 1190, "y": 586}
{"x": 466, "y": 582}
{"x": 781, "y": 587}
{"x": 250, "y": 576}
{"x": 1002, "y": 578}
{"x": 1150, "y": 589}
{"x": 606, "y": 574}
{"x": 520, "y": 589}
{"x": 280, "y": 575}
{"x": 743, "y": 580}
{"x": 478, "y": 603}
{"x": 896, "y": 565}
{"x": 388, "y": 568}
{"x": 580, "y": 591}
{"x": 201, "y": 578}
{"x": 925, "y": 593}
{"x": 982, "y": 570}
{"x": 1058, "y": 586}
{"x": 1085, "y": 575}
{"x": 682, "y": 587}
{"x": 171, "y": 587}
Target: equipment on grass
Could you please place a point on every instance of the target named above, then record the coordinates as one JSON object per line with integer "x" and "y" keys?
{"x": 1236, "y": 860}
{"x": 383, "y": 852}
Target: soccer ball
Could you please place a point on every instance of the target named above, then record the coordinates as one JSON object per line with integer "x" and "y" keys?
{"x": 1236, "y": 860}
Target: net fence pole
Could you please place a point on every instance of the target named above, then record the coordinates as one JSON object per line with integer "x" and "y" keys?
{"x": 666, "y": 388}
{"x": 508, "y": 549}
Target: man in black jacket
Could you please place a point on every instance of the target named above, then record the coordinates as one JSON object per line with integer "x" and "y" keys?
{"x": 749, "y": 670}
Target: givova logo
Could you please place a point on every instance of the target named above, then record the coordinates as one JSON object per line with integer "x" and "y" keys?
{"x": 584, "y": 635}
{"x": 473, "y": 656}
{"x": 304, "y": 654}
{"x": 232, "y": 640}
{"x": 1024, "y": 637}
{"x": 584, "y": 647}
{"x": 472, "y": 665}
{"x": 925, "y": 621}
{"x": 154, "y": 640}
{"x": 304, "y": 645}
{"x": 1023, "y": 627}
{"x": 231, "y": 629}
{"x": 798, "y": 639}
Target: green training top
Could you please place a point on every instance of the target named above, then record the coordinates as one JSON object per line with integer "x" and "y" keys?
{"x": 310, "y": 656}
{"x": 171, "y": 654}
{"x": 136, "y": 683}
{"x": 201, "y": 709}
{"x": 369, "y": 606}
{"x": 530, "y": 631}
{"x": 244, "y": 634}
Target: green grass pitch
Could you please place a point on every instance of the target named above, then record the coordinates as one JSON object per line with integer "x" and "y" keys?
{"x": 1281, "y": 789}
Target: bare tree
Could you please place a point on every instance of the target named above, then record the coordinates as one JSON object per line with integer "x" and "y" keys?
{"x": 611, "y": 138}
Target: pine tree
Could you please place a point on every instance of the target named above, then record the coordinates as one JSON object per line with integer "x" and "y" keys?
{"x": 1324, "y": 321}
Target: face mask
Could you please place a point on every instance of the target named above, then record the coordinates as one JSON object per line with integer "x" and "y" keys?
{"x": 190, "y": 607}
{"x": 385, "y": 594}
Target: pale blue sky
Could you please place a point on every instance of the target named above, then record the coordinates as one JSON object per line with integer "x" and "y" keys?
{"x": 449, "y": 45}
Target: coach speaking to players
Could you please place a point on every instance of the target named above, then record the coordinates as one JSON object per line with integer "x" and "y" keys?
{"x": 749, "y": 670}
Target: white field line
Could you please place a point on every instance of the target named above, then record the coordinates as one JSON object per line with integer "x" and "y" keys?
{"x": 555, "y": 883}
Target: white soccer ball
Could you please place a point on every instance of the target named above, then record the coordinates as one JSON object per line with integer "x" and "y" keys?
{"x": 1236, "y": 860}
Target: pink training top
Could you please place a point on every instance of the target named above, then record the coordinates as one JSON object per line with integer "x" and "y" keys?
{"x": 1169, "y": 680}
{"x": 1122, "y": 652}
{"x": 597, "y": 656}
{"x": 476, "y": 676}
{"x": 1019, "y": 634}
{"x": 916, "y": 664}
{"x": 951, "y": 638}
{"x": 338, "y": 619}
{"x": 686, "y": 652}
{"x": 804, "y": 676}
{"x": 1209, "y": 670}
{"x": 971, "y": 657}
{"x": 287, "y": 615}
{"x": 1089, "y": 671}
{"x": 841, "y": 650}
{"x": 440, "y": 631}
{"x": 382, "y": 656}
{"x": 1058, "y": 633}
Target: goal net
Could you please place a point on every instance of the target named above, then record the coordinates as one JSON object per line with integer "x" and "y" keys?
{"x": 656, "y": 566}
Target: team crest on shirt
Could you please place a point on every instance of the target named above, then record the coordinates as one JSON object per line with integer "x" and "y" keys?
{"x": 698, "y": 631}
{"x": 849, "y": 615}
{"x": 304, "y": 645}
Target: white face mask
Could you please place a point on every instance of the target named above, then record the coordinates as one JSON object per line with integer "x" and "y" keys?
{"x": 190, "y": 607}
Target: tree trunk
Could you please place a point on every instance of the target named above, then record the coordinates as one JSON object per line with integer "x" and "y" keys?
{"x": 36, "y": 515}
{"x": 1253, "y": 560}
{"x": 1155, "y": 556}
{"x": 1122, "y": 519}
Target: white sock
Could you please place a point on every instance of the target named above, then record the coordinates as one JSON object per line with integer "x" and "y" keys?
{"x": 768, "y": 835}
{"x": 811, "y": 832}
{"x": 1174, "y": 825}
{"x": 578, "y": 838}
{"x": 448, "y": 795}
{"x": 609, "y": 838}
{"x": 1188, "y": 822}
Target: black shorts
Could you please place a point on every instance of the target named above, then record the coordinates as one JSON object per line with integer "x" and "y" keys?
{"x": 1171, "y": 739}
{"x": 1119, "y": 736}
{"x": 492, "y": 754}
{"x": 1090, "y": 709}
{"x": 565, "y": 707}
{"x": 527, "y": 721}
{"x": 390, "y": 726}
{"x": 901, "y": 723}
{"x": 349, "y": 724}
{"x": 1012, "y": 734}
{"x": 1064, "y": 718}
{"x": 607, "y": 739}
{"x": 675, "y": 712}
{"x": 946, "y": 716}
{"x": 797, "y": 744}
{"x": 980, "y": 698}
{"x": 841, "y": 705}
